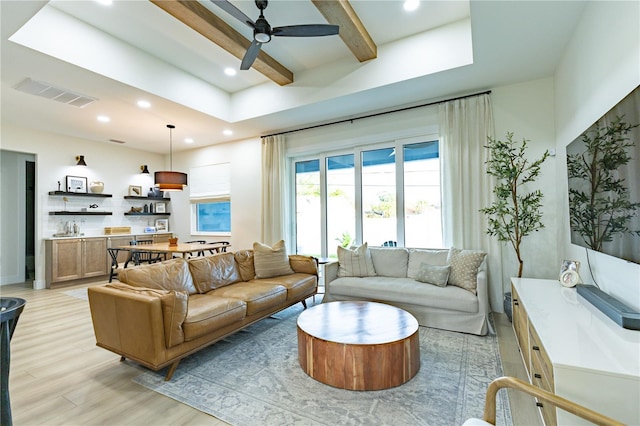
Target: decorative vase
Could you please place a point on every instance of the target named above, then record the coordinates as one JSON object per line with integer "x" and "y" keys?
{"x": 96, "y": 187}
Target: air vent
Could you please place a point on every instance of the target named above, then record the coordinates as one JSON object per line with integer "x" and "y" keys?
{"x": 116, "y": 141}
{"x": 48, "y": 91}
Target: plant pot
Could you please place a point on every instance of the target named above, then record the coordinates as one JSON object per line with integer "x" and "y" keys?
{"x": 173, "y": 241}
{"x": 507, "y": 306}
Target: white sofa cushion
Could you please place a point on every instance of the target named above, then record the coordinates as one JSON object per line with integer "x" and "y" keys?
{"x": 390, "y": 261}
{"x": 420, "y": 256}
{"x": 405, "y": 290}
{"x": 355, "y": 262}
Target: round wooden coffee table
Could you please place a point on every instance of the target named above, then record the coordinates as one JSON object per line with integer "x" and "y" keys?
{"x": 358, "y": 345}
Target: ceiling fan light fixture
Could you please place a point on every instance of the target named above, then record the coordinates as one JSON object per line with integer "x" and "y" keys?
{"x": 262, "y": 37}
{"x": 170, "y": 180}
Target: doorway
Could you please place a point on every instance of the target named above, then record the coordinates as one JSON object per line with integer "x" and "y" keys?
{"x": 30, "y": 222}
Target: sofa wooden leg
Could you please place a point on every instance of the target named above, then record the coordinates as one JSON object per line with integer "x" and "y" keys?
{"x": 122, "y": 358}
{"x": 172, "y": 370}
{"x": 304, "y": 303}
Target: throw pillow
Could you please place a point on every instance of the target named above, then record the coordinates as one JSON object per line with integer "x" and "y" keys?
{"x": 433, "y": 274}
{"x": 464, "y": 267}
{"x": 355, "y": 262}
{"x": 271, "y": 262}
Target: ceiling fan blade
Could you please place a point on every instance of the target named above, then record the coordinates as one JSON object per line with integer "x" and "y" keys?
{"x": 234, "y": 11}
{"x": 250, "y": 55}
{"x": 311, "y": 30}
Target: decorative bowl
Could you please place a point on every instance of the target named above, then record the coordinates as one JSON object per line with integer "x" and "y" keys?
{"x": 96, "y": 187}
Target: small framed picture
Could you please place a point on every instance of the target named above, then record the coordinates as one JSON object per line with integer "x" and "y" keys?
{"x": 160, "y": 208}
{"x": 135, "y": 191}
{"x": 569, "y": 265}
{"x": 76, "y": 184}
{"x": 162, "y": 225}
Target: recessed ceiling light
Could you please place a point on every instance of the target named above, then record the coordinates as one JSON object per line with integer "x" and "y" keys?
{"x": 105, "y": 2}
{"x": 144, "y": 104}
{"x": 411, "y": 5}
{"x": 230, "y": 71}
{"x": 227, "y": 132}
{"x": 188, "y": 140}
{"x": 103, "y": 119}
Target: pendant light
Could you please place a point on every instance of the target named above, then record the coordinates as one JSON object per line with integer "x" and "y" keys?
{"x": 170, "y": 181}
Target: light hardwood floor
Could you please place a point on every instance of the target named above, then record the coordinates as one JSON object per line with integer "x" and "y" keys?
{"x": 60, "y": 377}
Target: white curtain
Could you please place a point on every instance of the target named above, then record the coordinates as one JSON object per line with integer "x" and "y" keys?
{"x": 465, "y": 125}
{"x": 274, "y": 212}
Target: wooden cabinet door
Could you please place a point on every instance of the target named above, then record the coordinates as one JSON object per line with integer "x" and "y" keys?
{"x": 94, "y": 257}
{"x": 520, "y": 328}
{"x": 66, "y": 260}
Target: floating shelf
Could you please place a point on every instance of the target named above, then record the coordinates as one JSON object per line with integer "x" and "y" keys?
{"x": 134, "y": 197}
{"x": 80, "y": 194}
{"x": 146, "y": 214}
{"x": 65, "y": 213}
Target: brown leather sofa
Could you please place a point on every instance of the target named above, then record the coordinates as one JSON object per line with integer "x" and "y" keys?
{"x": 160, "y": 313}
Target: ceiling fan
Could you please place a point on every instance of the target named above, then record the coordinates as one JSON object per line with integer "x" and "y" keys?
{"x": 262, "y": 31}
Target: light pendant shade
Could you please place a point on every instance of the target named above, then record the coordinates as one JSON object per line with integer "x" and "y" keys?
{"x": 170, "y": 180}
{"x": 144, "y": 169}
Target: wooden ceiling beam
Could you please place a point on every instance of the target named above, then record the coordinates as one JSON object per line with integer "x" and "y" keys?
{"x": 196, "y": 16}
{"x": 352, "y": 30}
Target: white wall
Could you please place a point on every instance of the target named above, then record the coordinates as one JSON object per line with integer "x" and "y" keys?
{"x": 526, "y": 110}
{"x": 115, "y": 165}
{"x": 245, "y": 159}
{"x": 600, "y": 67}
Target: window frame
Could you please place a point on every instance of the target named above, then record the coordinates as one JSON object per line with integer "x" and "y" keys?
{"x": 357, "y": 150}
{"x": 194, "y": 215}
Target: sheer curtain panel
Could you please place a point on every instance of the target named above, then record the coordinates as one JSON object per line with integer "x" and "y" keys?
{"x": 274, "y": 212}
{"x": 465, "y": 125}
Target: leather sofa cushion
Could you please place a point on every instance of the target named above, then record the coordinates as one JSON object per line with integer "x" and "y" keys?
{"x": 211, "y": 272}
{"x": 256, "y": 294}
{"x": 244, "y": 259}
{"x": 169, "y": 275}
{"x": 304, "y": 264}
{"x": 296, "y": 284}
{"x": 174, "y": 309}
{"x": 207, "y": 314}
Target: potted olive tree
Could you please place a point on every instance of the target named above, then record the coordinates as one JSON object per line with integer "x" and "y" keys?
{"x": 516, "y": 212}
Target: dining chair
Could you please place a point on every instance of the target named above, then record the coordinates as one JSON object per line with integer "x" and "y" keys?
{"x": 144, "y": 256}
{"x": 200, "y": 253}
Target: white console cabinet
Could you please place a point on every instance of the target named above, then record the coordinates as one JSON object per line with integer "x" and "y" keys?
{"x": 574, "y": 350}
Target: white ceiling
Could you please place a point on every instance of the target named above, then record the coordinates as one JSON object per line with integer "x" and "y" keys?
{"x": 133, "y": 50}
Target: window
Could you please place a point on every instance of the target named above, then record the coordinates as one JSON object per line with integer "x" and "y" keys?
{"x": 384, "y": 195}
{"x": 212, "y": 217}
{"x": 210, "y": 196}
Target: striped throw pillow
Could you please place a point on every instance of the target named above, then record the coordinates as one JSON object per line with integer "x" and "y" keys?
{"x": 356, "y": 262}
{"x": 271, "y": 261}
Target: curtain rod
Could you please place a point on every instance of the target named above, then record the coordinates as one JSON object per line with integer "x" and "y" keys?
{"x": 377, "y": 114}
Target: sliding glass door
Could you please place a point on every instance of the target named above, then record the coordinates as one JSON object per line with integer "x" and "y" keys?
{"x": 384, "y": 195}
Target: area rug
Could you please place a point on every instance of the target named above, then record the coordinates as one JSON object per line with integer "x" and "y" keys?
{"x": 253, "y": 378}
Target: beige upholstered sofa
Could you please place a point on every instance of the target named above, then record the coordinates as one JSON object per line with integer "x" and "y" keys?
{"x": 160, "y": 313}
{"x": 444, "y": 289}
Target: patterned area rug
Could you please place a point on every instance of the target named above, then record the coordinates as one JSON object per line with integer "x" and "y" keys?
{"x": 253, "y": 377}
